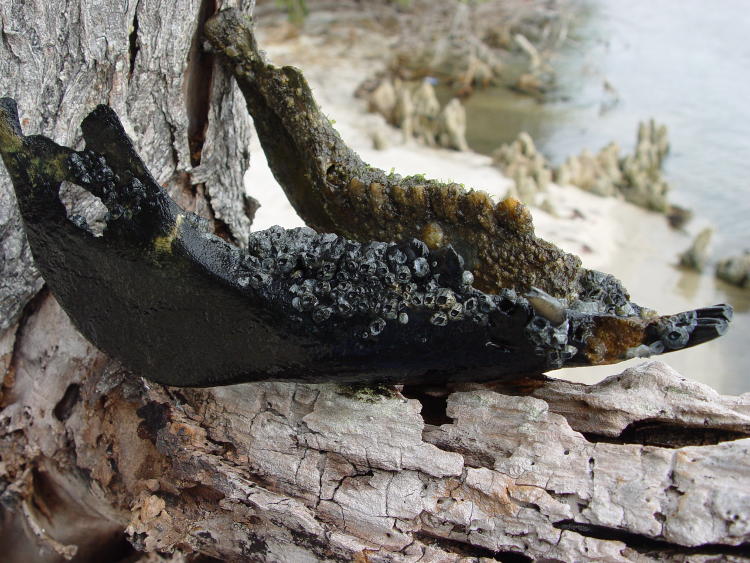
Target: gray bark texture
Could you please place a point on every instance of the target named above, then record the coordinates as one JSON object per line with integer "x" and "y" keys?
{"x": 99, "y": 465}
{"x": 60, "y": 59}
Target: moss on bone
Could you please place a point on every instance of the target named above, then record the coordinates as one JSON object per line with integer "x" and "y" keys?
{"x": 333, "y": 190}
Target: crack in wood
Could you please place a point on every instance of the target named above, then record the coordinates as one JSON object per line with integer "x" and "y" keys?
{"x": 133, "y": 46}
{"x": 470, "y": 550}
{"x": 650, "y": 432}
{"x": 647, "y": 545}
{"x": 434, "y": 404}
{"x": 199, "y": 80}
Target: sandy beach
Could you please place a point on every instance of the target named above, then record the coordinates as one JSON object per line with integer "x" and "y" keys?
{"x": 608, "y": 234}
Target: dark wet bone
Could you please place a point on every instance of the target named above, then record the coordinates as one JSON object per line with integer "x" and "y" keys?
{"x": 180, "y": 306}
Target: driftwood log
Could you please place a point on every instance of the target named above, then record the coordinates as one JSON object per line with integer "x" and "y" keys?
{"x": 99, "y": 465}
{"x": 94, "y": 459}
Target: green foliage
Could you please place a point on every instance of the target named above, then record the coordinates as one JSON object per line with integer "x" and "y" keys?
{"x": 296, "y": 10}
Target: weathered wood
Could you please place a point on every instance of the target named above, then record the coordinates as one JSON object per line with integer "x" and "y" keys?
{"x": 281, "y": 471}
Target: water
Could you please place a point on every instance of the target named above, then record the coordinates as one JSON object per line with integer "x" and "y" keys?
{"x": 687, "y": 64}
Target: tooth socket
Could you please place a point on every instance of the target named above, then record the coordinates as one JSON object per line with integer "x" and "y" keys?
{"x": 707, "y": 329}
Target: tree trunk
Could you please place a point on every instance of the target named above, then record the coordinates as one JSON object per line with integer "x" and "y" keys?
{"x": 99, "y": 465}
{"x": 188, "y": 121}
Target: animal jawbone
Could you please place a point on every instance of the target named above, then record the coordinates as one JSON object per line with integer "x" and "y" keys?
{"x": 180, "y": 306}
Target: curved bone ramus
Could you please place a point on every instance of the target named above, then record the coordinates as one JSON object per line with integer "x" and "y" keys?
{"x": 333, "y": 190}
{"x": 180, "y": 306}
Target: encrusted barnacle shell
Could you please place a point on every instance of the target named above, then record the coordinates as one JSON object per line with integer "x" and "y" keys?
{"x": 439, "y": 319}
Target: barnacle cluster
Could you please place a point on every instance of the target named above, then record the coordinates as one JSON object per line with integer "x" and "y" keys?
{"x": 124, "y": 198}
{"x": 340, "y": 278}
{"x": 330, "y": 284}
{"x": 330, "y": 278}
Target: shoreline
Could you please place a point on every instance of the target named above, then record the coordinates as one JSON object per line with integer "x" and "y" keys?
{"x": 608, "y": 234}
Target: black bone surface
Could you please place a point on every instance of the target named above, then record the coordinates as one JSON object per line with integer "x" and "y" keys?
{"x": 180, "y": 306}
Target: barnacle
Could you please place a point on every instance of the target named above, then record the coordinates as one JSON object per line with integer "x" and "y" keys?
{"x": 181, "y": 306}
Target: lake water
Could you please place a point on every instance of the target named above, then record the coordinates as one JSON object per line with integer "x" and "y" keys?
{"x": 687, "y": 64}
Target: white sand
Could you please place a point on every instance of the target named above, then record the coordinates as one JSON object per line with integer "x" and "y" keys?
{"x": 608, "y": 234}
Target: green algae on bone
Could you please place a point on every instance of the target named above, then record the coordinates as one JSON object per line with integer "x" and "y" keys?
{"x": 333, "y": 190}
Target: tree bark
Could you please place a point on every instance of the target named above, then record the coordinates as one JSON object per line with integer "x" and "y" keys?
{"x": 186, "y": 117}
{"x": 144, "y": 58}
{"x": 99, "y": 465}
